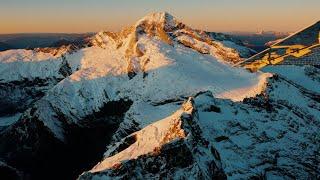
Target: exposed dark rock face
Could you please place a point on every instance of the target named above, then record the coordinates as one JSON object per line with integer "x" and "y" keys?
{"x": 167, "y": 101}
{"x": 17, "y": 96}
{"x": 163, "y": 164}
{"x": 65, "y": 68}
{"x": 9, "y": 173}
{"x": 30, "y": 146}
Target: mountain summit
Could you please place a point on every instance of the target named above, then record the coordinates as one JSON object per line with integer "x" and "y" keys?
{"x": 168, "y": 29}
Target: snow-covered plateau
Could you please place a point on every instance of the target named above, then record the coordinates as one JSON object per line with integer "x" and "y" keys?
{"x": 157, "y": 100}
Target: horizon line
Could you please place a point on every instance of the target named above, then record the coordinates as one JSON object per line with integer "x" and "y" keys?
{"x": 93, "y": 32}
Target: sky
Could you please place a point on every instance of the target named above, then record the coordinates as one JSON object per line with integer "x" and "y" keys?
{"x": 77, "y": 16}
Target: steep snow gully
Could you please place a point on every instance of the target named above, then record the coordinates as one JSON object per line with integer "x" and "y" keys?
{"x": 155, "y": 100}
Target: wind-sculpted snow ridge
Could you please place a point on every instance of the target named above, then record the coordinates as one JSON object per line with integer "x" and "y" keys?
{"x": 270, "y": 136}
{"x": 170, "y": 148}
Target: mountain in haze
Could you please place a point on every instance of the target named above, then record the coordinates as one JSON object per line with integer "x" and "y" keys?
{"x": 5, "y": 46}
{"x": 157, "y": 99}
{"x": 272, "y": 33}
{"x": 40, "y": 40}
{"x": 259, "y": 41}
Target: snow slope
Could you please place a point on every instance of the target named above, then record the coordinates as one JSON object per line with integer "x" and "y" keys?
{"x": 271, "y": 136}
{"x": 30, "y": 64}
{"x": 25, "y": 76}
{"x": 306, "y": 76}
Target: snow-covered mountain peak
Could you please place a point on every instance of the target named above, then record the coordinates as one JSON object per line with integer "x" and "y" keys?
{"x": 163, "y": 27}
{"x": 152, "y": 25}
{"x": 163, "y": 19}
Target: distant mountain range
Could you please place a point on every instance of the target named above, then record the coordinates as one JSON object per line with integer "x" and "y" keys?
{"x": 5, "y": 46}
{"x": 39, "y": 40}
{"x": 256, "y": 41}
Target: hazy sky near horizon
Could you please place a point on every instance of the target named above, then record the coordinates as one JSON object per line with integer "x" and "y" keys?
{"x": 25, "y": 16}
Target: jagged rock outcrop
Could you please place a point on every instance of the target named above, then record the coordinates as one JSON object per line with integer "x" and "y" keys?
{"x": 170, "y": 148}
